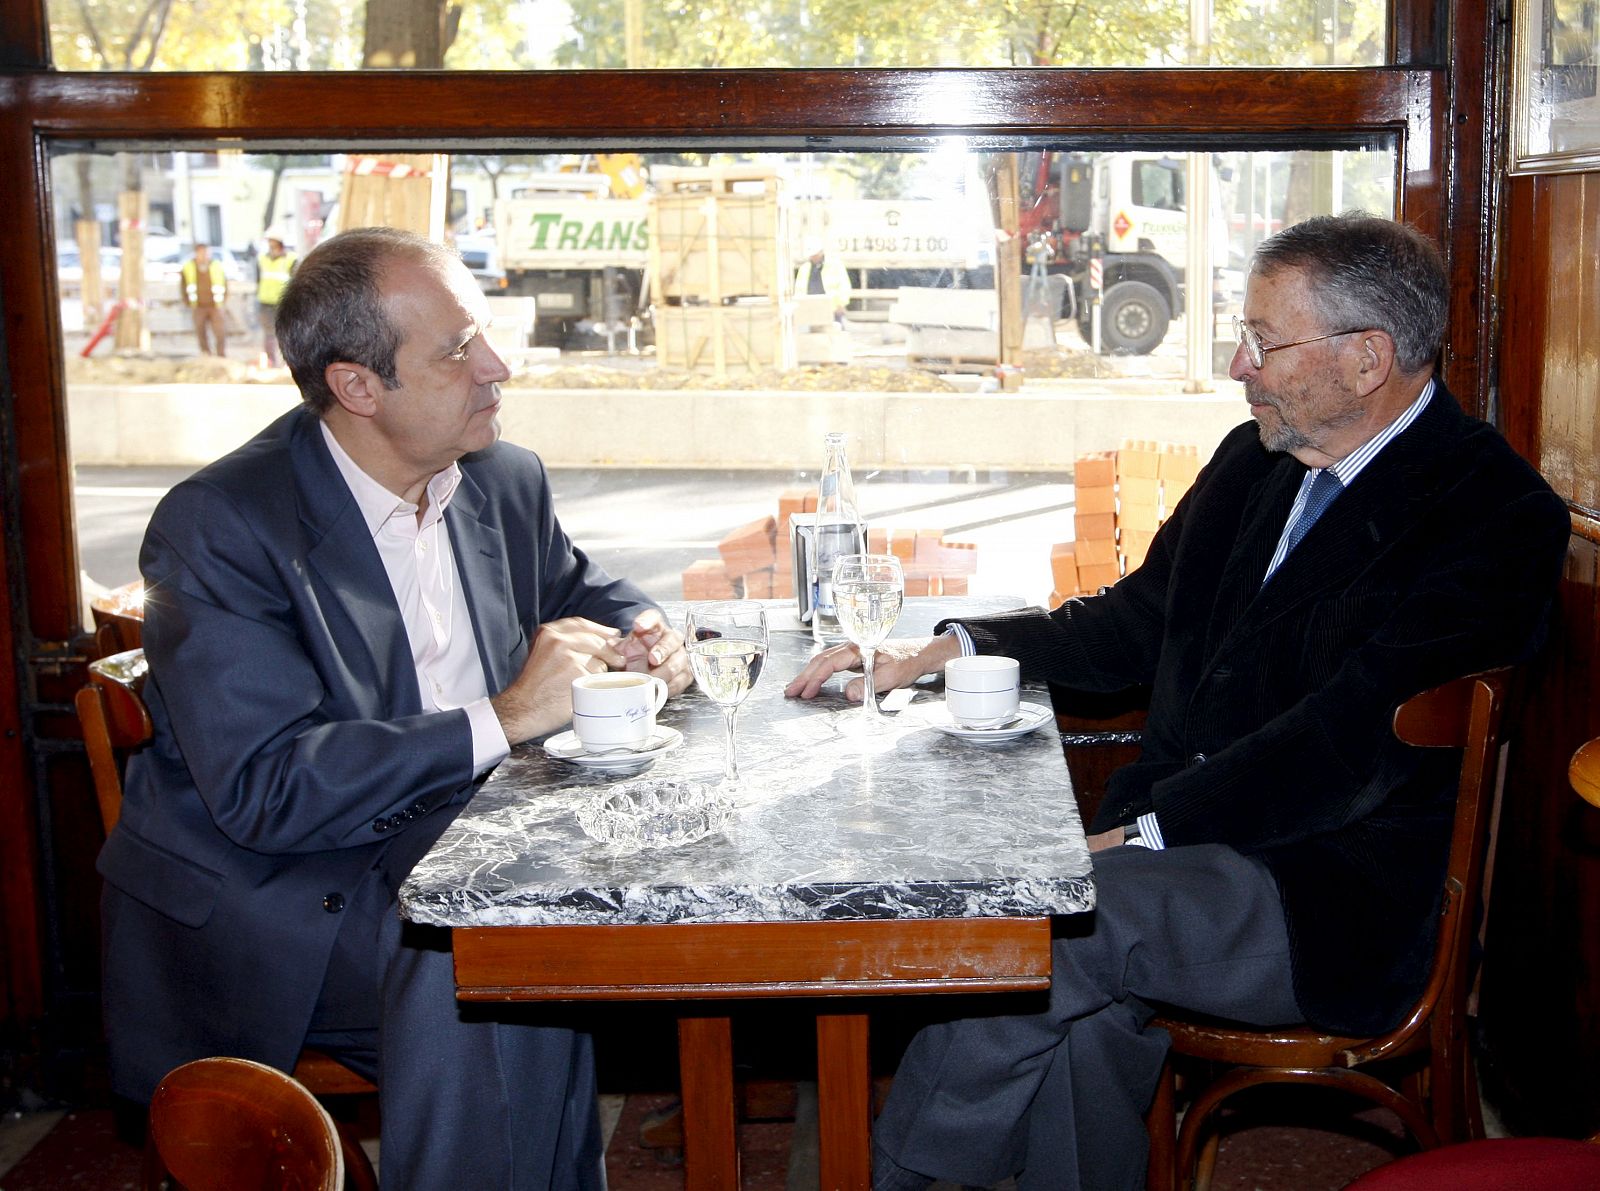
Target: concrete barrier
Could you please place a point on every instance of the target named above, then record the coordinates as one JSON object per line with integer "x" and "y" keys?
{"x": 1042, "y": 428}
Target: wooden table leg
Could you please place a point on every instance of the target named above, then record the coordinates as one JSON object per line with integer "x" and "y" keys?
{"x": 705, "y": 1072}
{"x": 844, "y": 1110}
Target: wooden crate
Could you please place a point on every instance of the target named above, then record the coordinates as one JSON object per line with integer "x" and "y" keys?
{"x": 709, "y": 242}
{"x": 723, "y": 339}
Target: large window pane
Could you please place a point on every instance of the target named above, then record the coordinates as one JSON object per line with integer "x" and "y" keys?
{"x": 975, "y": 323}
{"x": 559, "y": 34}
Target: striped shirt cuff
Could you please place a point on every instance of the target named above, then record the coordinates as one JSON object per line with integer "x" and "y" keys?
{"x": 1150, "y": 832}
{"x": 964, "y": 638}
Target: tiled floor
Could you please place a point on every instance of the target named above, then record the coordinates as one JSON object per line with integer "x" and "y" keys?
{"x": 1275, "y": 1149}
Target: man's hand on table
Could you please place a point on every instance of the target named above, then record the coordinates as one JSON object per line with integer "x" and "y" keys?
{"x": 655, "y": 647}
{"x": 899, "y": 662}
{"x": 539, "y": 699}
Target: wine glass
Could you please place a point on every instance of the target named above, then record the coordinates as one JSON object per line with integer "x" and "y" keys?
{"x": 727, "y": 647}
{"x": 867, "y": 591}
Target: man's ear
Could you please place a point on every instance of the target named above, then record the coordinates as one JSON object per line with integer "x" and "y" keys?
{"x": 1375, "y": 363}
{"x": 354, "y": 386}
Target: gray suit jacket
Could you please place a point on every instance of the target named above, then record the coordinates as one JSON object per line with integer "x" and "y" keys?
{"x": 291, "y": 754}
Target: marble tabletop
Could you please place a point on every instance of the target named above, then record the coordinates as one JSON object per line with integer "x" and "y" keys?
{"x": 908, "y": 822}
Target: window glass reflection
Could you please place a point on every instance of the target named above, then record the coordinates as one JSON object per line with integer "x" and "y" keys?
{"x": 685, "y": 328}
{"x": 588, "y": 34}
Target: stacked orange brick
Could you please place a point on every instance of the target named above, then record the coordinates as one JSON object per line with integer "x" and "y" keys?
{"x": 1123, "y": 496}
{"x": 756, "y": 561}
{"x": 1139, "y": 508}
{"x": 1090, "y": 560}
{"x": 931, "y": 565}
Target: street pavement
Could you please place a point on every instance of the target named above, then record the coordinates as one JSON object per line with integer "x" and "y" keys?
{"x": 651, "y": 524}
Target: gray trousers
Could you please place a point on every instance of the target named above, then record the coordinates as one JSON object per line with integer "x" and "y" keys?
{"x": 1058, "y": 1097}
{"x": 487, "y": 1097}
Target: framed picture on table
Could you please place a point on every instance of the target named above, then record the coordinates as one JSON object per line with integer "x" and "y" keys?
{"x": 1554, "y": 93}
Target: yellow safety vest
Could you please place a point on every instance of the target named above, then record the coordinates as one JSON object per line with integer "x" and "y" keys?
{"x": 275, "y": 272}
{"x": 219, "y": 282}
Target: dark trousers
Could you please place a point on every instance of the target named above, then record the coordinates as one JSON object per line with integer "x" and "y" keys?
{"x": 1058, "y": 1097}
{"x": 268, "y": 314}
{"x": 209, "y": 322}
{"x": 485, "y": 1097}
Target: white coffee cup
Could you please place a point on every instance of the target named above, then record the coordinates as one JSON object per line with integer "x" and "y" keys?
{"x": 616, "y": 709}
{"x": 982, "y": 691}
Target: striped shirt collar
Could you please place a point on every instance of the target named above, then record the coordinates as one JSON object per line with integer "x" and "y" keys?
{"x": 1350, "y": 466}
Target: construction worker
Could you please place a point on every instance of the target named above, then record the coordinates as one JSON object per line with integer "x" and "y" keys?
{"x": 205, "y": 289}
{"x": 819, "y": 274}
{"x": 275, "y": 269}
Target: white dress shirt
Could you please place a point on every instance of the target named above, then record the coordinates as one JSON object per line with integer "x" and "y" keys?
{"x": 421, "y": 564}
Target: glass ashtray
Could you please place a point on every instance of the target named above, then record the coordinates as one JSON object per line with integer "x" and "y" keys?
{"x": 653, "y": 813}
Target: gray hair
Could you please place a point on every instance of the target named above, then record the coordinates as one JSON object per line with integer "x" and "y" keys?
{"x": 334, "y": 309}
{"x": 1368, "y": 272}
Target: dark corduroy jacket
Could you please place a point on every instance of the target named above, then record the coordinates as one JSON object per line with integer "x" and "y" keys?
{"x": 1271, "y": 704}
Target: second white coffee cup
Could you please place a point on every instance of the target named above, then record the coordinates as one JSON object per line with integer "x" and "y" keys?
{"x": 616, "y": 709}
{"x": 982, "y": 691}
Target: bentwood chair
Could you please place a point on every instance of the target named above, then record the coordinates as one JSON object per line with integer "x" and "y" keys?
{"x": 115, "y": 721}
{"x": 1504, "y": 1163}
{"x": 234, "y": 1125}
{"x": 1438, "y": 1102}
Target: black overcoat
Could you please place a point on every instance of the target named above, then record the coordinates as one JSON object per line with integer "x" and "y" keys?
{"x": 1271, "y": 704}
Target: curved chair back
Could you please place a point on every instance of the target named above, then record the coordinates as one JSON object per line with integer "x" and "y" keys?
{"x": 1439, "y": 1105}
{"x": 115, "y": 721}
{"x": 234, "y": 1125}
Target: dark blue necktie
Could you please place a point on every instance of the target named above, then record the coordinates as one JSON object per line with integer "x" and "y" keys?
{"x": 1322, "y": 493}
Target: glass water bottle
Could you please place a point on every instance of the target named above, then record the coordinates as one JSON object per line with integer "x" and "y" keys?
{"x": 838, "y": 530}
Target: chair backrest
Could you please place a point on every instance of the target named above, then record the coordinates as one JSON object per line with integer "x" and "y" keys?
{"x": 114, "y": 719}
{"x": 233, "y": 1125}
{"x": 1463, "y": 714}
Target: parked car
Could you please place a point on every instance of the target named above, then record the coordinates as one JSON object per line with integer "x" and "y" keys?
{"x": 479, "y": 255}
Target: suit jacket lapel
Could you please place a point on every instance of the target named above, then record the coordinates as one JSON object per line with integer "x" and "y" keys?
{"x": 1266, "y": 509}
{"x": 480, "y": 551}
{"x": 1367, "y": 518}
{"x": 343, "y": 555}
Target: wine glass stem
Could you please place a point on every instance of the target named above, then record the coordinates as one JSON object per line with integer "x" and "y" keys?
{"x": 869, "y": 702}
{"x": 730, "y": 769}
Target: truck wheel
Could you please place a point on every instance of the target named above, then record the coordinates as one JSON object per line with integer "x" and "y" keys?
{"x": 1133, "y": 319}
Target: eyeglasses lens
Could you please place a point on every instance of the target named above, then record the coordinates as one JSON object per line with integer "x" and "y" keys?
{"x": 1252, "y": 342}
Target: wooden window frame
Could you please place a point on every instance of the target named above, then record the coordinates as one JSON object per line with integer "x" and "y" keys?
{"x": 1436, "y": 104}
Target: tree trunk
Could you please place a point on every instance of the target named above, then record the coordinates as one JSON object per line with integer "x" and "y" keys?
{"x": 411, "y": 34}
{"x": 279, "y": 163}
{"x": 132, "y": 331}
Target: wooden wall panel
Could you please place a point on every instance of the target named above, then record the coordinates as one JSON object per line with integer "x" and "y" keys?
{"x": 1541, "y": 978}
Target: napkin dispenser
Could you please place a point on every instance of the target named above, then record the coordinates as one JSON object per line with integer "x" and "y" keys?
{"x": 802, "y": 540}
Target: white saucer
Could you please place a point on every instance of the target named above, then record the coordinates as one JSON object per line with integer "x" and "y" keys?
{"x": 1033, "y": 716}
{"x": 565, "y": 746}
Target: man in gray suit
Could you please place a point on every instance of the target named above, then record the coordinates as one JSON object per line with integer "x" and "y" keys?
{"x": 349, "y": 621}
{"x": 1274, "y": 856}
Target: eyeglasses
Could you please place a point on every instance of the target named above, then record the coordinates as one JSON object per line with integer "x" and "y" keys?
{"x": 1257, "y": 350}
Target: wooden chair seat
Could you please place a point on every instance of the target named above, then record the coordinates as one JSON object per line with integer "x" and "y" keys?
{"x": 115, "y": 721}
{"x": 228, "y": 1124}
{"x": 1438, "y": 1100}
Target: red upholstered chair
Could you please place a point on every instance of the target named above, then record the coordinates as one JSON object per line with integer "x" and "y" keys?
{"x": 115, "y": 721}
{"x": 1500, "y": 1164}
{"x": 1437, "y": 1099}
{"x": 234, "y": 1125}
{"x": 1508, "y": 1163}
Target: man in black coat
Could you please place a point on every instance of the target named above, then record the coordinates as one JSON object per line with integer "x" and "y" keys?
{"x": 1361, "y": 541}
{"x": 349, "y": 621}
